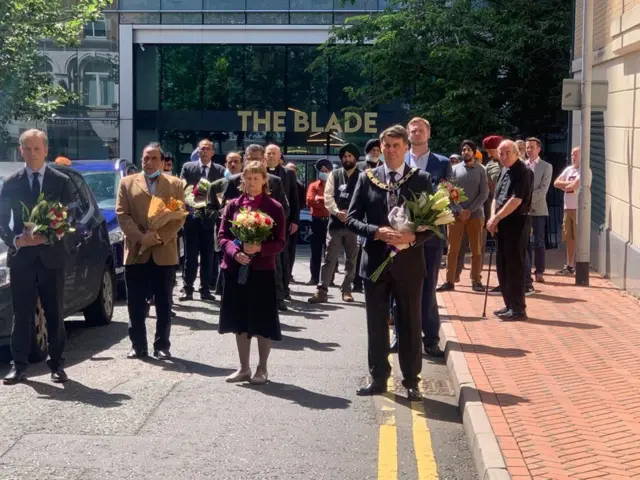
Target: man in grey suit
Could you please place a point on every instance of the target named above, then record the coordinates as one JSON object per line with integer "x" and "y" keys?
{"x": 36, "y": 269}
{"x": 539, "y": 211}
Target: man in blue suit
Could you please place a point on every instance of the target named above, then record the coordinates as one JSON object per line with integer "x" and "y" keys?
{"x": 439, "y": 168}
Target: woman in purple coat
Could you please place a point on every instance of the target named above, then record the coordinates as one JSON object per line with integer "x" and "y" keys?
{"x": 251, "y": 309}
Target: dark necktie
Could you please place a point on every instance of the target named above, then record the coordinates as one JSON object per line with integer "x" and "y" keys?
{"x": 392, "y": 196}
{"x": 35, "y": 187}
{"x": 204, "y": 172}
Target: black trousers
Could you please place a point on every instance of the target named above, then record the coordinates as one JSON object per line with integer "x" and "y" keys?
{"x": 27, "y": 284}
{"x": 357, "y": 282}
{"x": 408, "y": 297}
{"x": 198, "y": 243}
{"x": 141, "y": 279}
{"x": 318, "y": 238}
{"x": 292, "y": 246}
{"x": 511, "y": 252}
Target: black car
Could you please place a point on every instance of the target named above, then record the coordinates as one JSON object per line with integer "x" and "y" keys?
{"x": 90, "y": 274}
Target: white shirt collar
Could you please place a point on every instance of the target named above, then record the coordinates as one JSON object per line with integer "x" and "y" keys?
{"x": 41, "y": 171}
{"x": 399, "y": 171}
{"x": 200, "y": 164}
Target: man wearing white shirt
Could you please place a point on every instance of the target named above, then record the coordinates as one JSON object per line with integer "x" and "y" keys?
{"x": 569, "y": 182}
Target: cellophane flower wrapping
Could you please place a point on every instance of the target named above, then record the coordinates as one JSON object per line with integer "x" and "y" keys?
{"x": 51, "y": 219}
{"x": 160, "y": 214}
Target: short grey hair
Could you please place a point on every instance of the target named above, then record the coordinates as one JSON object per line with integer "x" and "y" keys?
{"x": 254, "y": 147}
{"x": 154, "y": 146}
{"x": 34, "y": 132}
{"x": 509, "y": 144}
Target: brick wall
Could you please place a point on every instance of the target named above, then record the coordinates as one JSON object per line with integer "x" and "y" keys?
{"x": 604, "y": 12}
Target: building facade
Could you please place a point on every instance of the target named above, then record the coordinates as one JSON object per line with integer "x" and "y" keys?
{"x": 615, "y": 142}
{"x": 235, "y": 71}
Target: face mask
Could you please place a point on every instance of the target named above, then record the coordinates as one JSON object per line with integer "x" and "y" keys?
{"x": 323, "y": 176}
{"x": 227, "y": 173}
{"x": 153, "y": 175}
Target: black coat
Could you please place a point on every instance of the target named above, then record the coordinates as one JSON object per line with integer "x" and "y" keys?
{"x": 369, "y": 210}
{"x": 15, "y": 189}
{"x": 192, "y": 173}
{"x": 290, "y": 185}
{"x": 232, "y": 191}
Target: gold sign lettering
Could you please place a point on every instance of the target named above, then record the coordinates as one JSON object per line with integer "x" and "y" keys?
{"x": 314, "y": 123}
{"x": 333, "y": 124}
{"x": 244, "y": 115}
{"x": 300, "y": 122}
{"x": 276, "y": 121}
{"x": 279, "y": 121}
{"x": 348, "y": 127}
{"x": 257, "y": 121}
{"x": 370, "y": 122}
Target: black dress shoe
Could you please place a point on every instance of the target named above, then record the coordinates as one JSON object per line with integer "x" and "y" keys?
{"x": 185, "y": 297}
{"x": 511, "y": 316}
{"x": 312, "y": 282}
{"x": 162, "y": 354}
{"x": 207, "y": 296}
{"x": 59, "y": 375}
{"x": 414, "y": 395}
{"x": 15, "y": 375}
{"x": 373, "y": 388}
{"x": 282, "y": 306}
{"x": 446, "y": 287}
{"x": 133, "y": 353}
{"x": 173, "y": 314}
{"x": 433, "y": 351}
{"x": 393, "y": 348}
{"x": 502, "y": 311}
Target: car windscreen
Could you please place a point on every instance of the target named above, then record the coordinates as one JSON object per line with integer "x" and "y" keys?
{"x": 104, "y": 186}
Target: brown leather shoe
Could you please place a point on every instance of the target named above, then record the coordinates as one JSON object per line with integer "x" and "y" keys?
{"x": 319, "y": 297}
{"x": 348, "y": 298}
{"x": 539, "y": 278}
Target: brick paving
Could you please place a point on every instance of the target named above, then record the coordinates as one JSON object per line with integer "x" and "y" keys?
{"x": 562, "y": 390}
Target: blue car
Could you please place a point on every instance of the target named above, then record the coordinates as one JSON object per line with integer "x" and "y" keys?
{"x": 103, "y": 178}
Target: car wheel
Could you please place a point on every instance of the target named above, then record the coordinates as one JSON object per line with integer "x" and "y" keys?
{"x": 40, "y": 337}
{"x": 305, "y": 233}
{"x": 100, "y": 311}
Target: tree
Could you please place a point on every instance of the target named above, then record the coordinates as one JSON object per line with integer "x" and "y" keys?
{"x": 471, "y": 67}
{"x": 26, "y": 89}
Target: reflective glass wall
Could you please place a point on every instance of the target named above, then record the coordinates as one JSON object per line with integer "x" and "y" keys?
{"x": 87, "y": 127}
{"x": 241, "y": 94}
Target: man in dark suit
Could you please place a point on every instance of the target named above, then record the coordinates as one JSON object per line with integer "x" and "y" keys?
{"x": 302, "y": 203}
{"x": 273, "y": 156}
{"x": 199, "y": 230}
{"x": 376, "y": 193}
{"x": 36, "y": 270}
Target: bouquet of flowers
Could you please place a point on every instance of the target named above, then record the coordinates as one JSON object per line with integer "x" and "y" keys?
{"x": 51, "y": 219}
{"x": 250, "y": 227}
{"x": 454, "y": 192}
{"x": 195, "y": 197}
{"x": 424, "y": 213}
{"x": 161, "y": 213}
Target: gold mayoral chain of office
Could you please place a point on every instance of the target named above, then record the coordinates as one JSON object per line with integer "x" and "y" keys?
{"x": 394, "y": 187}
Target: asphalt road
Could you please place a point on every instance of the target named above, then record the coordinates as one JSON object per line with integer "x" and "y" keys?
{"x": 121, "y": 419}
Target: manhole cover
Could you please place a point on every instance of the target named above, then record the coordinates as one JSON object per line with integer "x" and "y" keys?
{"x": 430, "y": 387}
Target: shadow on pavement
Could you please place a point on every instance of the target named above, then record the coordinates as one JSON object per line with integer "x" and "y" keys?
{"x": 72, "y": 391}
{"x": 290, "y": 328}
{"x": 303, "y": 397}
{"x": 206, "y": 308}
{"x": 189, "y": 366}
{"x": 561, "y": 284}
{"x": 533, "y": 321}
{"x": 193, "y": 323}
{"x": 554, "y": 299}
{"x": 297, "y": 343}
{"x": 433, "y": 409}
{"x": 487, "y": 350}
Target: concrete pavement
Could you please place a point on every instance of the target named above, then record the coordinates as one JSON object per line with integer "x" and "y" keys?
{"x": 120, "y": 419}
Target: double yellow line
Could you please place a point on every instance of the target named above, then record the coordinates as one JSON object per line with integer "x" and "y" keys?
{"x": 388, "y": 437}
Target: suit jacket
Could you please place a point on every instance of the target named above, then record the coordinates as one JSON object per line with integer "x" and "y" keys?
{"x": 541, "y": 182}
{"x": 290, "y": 185}
{"x": 265, "y": 259}
{"x": 132, "y": 207}
{"x": 232, "y": 191}
{"x": 369, "y": 210}
{"x": 192, "y": 173}
{"x": 15, "y": 189}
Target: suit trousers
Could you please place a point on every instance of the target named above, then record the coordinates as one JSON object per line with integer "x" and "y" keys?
{"x": 357, "y": 282}
{"x": 511, "y": 252}
{"x": 158, "y": 279}
{"x": 337, "y": 239}
{"x": 27, "y": 285}
{"x": 198, "y": 243}
{"x": 319, "y": 227}
{"x": 473, "y": 228}
{"x": 292, "y": 246}
{"x": 408, "y": 301}
{"x": 536, "y": 248}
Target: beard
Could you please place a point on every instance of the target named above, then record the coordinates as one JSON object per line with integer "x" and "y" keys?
{"x": 348, "y": 165}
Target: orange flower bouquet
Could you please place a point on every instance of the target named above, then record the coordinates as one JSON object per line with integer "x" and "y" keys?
{"x": 161, "y": 213}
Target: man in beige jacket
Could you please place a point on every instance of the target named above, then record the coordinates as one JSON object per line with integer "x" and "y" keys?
{"x": 151, "y": 272}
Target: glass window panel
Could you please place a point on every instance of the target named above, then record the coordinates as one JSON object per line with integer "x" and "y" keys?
{"x": 311, "y": 5}
{"x": 182, "y": 73}
{"x": 306, "y": 90}
{"x": 182, "y": 18}
{"x": 63, "y": 138}
{"x": 343, "y": 75}
{"x": 224, "y": 18}
{"x": 306, "y": 143}
{"x": 224, "y": 4}
{"x": 139, "y": 4}
{"x": 141, "y": 18}
{"x": 147, "y": 77}
{"x": 265, "y": 72}
{"x": 181, "y": 4}
{"x": 311, "y": 18}
{"x": 267, "y": 4}
{"x": 267, "y": 18}
{"x": 98, "y": 139}
{"x": 349, "y": 5}
{"x": 223, "y": 77}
